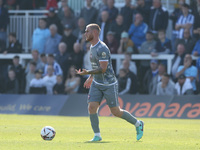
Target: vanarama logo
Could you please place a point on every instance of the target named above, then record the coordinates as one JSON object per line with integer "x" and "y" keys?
{"x": 156, "y": 109}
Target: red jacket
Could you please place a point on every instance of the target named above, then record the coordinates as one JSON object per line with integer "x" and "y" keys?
{"x": 51, "y": 3}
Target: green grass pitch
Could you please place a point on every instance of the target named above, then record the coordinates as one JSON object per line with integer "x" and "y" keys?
{"x": 22, "y": 132}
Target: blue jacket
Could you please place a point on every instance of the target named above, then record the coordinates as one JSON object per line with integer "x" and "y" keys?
{"x": 138, "y": 33}
{"x": 197, "y": 47}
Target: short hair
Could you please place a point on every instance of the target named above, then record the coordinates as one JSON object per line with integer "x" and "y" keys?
{"x": 166, "y": 75}
{"x": 35, "y": 50}
{"x": 94, "y": 26}
{"x": 33, "y": 63}
{"x": 43, "y": 55}
{"x": 13, "y": 34}
{"x": 60, "y": 76}
{"x": 44, "y": 19}
{"x": 51, "y": 55}
{"x": 53, "y": 26}
{"x": 16, "y": 57}
{"x": 162, "y": 30}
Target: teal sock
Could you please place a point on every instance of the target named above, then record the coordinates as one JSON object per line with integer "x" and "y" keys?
{"x": 95, "y": 122}
{"x": 129, "y": 117}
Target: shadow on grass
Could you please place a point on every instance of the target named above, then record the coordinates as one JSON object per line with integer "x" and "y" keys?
{"x": 98, "y": 142}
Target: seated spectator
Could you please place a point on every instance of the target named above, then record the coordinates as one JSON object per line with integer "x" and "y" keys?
{"x": 80, "y": 30}
{"x": 68, "y": 18}
{"x": 184, "y": 86}
{"x": 104, "y": 25}
{"x": 19, "y": 73}
{"x": 163, "y": 45}
{"x": 166, "y": 86}
{"x": 188, "y": 70}
{"x": 3, "y": 24}
{"x": 112, "y": 10}
{"x": 37, "y": 85}
{"x": 127, "y": 13}
{"x": 157, "y": 79}
{"x": 59, "y": 87}
{"x": 30, "y": 75}
{"x": 36, "y": 59}
{"x": 51, "y": 3}
{"x": 89, "y": 13}
{"x": 72, "y": 82}
{"x": 56, "y": 67}
{"x": 185, "y": 21}
{"x": 126, "y": 43}
{"x": 40, "y": 35}
{"x": 124, "y": 82}
{"x": 61, "y": 9}
{"x": 138, "y": 30}
{"x": 52, "y": 41}
{"x": 14, "y": 45}
{"x": 11, "y": 85}
{"x": 187, "y": 40}
{"x": 196, "y": 50}
{"x": 177, "y": 60}
{"x": 54, "y": 19}
{"x": 64, "y": 59}
{"x": 77, "y": 56}
{"x": 149, "y": 75}
{"x": 132, "y": 76}
{"x": 111, "y": 42}
{"x": 68, "y": 38}
{"x": 43, "y": 60}
{"x": 158, "y": 18}
{"x": 118, "y": 27}
{"x": 143, "y": 9}
{"x": 132, "y": 65}
{"x": 50, "y": 79}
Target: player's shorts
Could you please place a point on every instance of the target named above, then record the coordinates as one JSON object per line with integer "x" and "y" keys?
{"x": 109, "y": 92}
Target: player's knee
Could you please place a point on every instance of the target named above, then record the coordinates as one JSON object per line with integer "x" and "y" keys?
{"x": 116, "y": 112}
{"x": 92, "y": 109}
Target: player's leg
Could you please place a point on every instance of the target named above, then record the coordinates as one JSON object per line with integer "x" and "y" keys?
{"x": 111, "y": 95}
{"x": 94, "y": 99}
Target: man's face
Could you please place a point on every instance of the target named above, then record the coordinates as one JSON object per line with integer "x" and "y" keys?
{"x": 53, "y": 31}
{"x": 181, "y": 81}
{"x": 180, "y": 49}
{"x": 188, "y": 59}
{"x": 186, "y": 34}
{"x": 156, "y": 3}
{"x": 165, "y": 80}
{"x": 153, "y": 66}
{"x": 119, "y": 20}
{"x": 89, "y": 34}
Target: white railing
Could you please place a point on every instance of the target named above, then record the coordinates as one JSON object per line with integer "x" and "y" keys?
{"x": 117, "y": 57}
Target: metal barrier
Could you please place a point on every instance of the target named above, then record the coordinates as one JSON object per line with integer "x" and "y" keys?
{"x": 117, "y": 57}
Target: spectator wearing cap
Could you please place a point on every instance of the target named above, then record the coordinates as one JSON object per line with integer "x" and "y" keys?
{"x": 158, "y": 19}
{"x": 51, "y": 44}
{"x": 112, "y": 10}
{"x": 184, "y": 86}
{"x": 166, "y": 86}
{"x": 188, "y": 70}
{"x": 19, "y": 71}
{"x": 118, "y": 27}
{"x": 185, "y": 21}
{"x": 149, "y": 75}
{"x": 40, "y": 36}
{"x": 126, "y": 44}
{"x": 127, "y": 13}
{"x": 56, "y": 67}
{"x": 89, "y": 13}
{"x": 37, "y": 85}
{"x": 14, "y": 45}
{"x": 51, "y": 3}
{"x": 4, "y": 21}
{"x": 138, "y": 30}
{"x": 54, "y": 19}
{"x": 68, "y": 38}
{"x": 111, "y": 42}
{"x": 104, "y": 25}
{"x": 69, "y": 18}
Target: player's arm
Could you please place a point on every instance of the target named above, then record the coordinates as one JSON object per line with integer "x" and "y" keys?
{"x": 101, "y": 69}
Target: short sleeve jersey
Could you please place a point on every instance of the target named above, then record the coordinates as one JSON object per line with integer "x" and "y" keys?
{"x": 100, "y": 52}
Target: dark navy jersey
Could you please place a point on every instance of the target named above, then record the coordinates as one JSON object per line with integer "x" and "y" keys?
{"x": 100, "y": 52}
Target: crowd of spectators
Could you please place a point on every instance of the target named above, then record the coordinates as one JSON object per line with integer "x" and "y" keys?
{"x": 59, "y": 47}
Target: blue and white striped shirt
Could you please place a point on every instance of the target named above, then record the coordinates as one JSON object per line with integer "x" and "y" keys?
{"x": 184, "y": 20}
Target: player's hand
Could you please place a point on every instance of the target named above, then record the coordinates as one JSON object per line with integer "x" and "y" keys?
{"x": 88, "y": 83}
{"x": 83, "y": 72}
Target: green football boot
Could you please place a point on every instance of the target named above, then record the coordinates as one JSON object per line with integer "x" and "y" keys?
{"x": 140, "y": 130}
{"x": 96, "y": 139}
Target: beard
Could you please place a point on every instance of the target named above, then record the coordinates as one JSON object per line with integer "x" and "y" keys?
{"x": 90, "y": 38}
